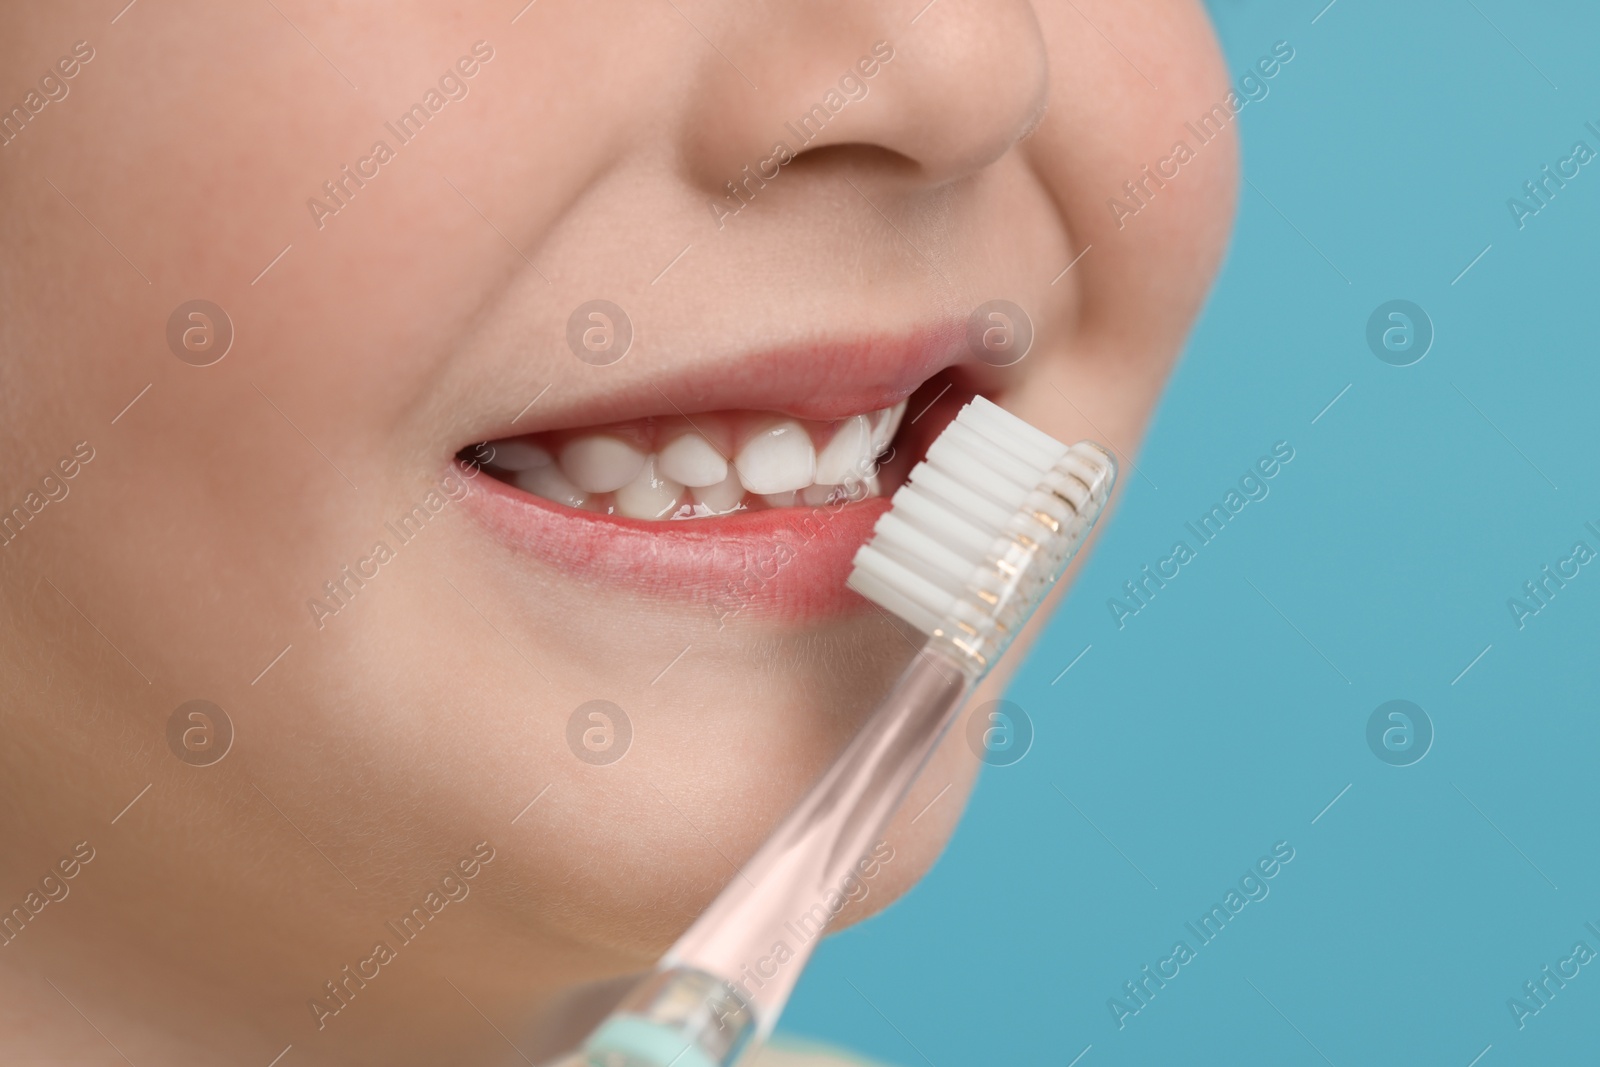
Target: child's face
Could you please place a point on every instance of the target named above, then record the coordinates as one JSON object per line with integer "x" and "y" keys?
{"x": 401, "y": 210}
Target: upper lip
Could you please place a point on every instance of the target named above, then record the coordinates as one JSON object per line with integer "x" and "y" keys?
{"x": 821, "y": 380}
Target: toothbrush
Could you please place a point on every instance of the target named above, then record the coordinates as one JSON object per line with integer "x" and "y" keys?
{"x": 972, "y": 543}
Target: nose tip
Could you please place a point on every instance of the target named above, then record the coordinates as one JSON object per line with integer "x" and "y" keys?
{"x": 973, "y": 81}
{"x": 950, "y": 89}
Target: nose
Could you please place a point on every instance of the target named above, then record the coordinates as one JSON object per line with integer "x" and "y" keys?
{"x": 932, "y": 95}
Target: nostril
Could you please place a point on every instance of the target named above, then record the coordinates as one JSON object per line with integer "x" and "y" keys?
{"x": 856, "y": 154}
{"x": 749, "y": 186}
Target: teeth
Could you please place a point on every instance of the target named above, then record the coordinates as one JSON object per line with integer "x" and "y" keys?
{"x": 885, "y": 424}
{"x": 519, "y": 456}
{"x": 780, "y": 467}
{"x": 649, "y": 496}
{"x": 777, "y": 460}
{"x": 848, "y": 454}
{"x": 691, "y": 460}
{"x": 722, "y": 498}
{"x": 550, "y": 483}
{"x": 814, "y": 496}
{"x": 601, "y": 464}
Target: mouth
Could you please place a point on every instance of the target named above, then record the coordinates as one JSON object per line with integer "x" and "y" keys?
{"x": 699, "y": 467}
{"x": 748, "y": 509}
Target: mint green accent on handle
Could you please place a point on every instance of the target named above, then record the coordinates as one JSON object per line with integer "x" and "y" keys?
{"x": 643, "y": 1044}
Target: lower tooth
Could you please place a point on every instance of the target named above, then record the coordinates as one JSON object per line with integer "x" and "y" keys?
{"x": 722, "y": 498}
{"x": 548, "y": 482}
{"x": 817, "y": 495}
{"x": 779, "y": 500}
{"x": 649, "y": 496}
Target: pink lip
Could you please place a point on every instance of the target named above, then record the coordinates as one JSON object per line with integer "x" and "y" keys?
{"x": 821, "y": 381}
{"x": 788, "y": 563}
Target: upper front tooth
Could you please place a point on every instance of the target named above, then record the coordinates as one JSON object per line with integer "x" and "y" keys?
{"x": 649, "y": 496}
{"x": 518, "y": 456}
{"x": 600, "y": 463}
{"x": 777, "y": 460}
{"x": 885, "y": 424}
{"x": 847, "y": 454}
{"x": 690, "y": 459}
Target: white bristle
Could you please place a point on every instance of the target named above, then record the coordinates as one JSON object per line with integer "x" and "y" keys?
{"x": 1033, "y": 453}
{"x": 928, "y": 597}
{"x": 930, "y": 515}
{"x": 982, "y": 526}
{"x": 889, "y": 597}
{"x": 927, "y": 555}
{"x": 956, "y": 496}
{"x": 983, "y": 412}
{"x": 970, "y": 447}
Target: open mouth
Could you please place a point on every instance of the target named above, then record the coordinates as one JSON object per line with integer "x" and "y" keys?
{"x": 746, "y": 509}
{"x": 718, "y": 463}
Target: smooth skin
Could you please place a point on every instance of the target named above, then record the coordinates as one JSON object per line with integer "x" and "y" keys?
{"x": 380, "y": 749}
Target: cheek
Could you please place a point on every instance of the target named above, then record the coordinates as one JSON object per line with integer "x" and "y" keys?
{"x": 1150, "y": 273}
{"x": 1087, "y": 156}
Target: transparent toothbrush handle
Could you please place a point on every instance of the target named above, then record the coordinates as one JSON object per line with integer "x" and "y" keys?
{"x": 679, "y": 1017}
{"x": 703, "y": 1007}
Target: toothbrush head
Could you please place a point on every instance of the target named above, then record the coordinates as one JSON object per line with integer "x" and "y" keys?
{"x": 982, "y": 529}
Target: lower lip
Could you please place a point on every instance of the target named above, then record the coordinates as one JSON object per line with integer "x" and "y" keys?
{"x": 779, "y": 563}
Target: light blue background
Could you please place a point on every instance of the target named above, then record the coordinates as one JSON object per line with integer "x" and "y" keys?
{"x": 1213, "y": 726}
